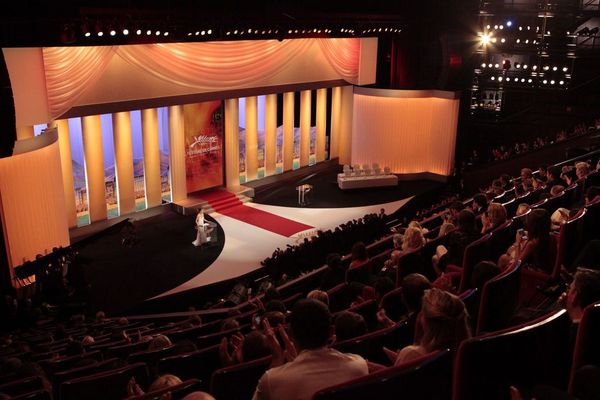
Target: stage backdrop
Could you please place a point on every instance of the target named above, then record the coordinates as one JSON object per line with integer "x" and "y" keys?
{"x": 203, "y": 145}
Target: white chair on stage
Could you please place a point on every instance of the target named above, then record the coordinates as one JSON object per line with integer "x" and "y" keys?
{"x": 376, "y": 169}
{"x": 347, "y": 170}
{"x": 356, "y": 170}
{"x": 386, "y": 170}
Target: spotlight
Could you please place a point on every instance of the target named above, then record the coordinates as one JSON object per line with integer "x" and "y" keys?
{"x": 525, "y": 66}
{"x": 561, "y": 82}
{"x": 483, "y": 65}
{"x": 565, "y": 69}
{"x": 518, "y": 40}
{"x": 489, "y": 65}
{"x": 523, "y": 80}
{"x": 520, "y": 28}
{"x": 501, "y": 26}
{"x": 502, "y": 40}
{"x": 494, "y": 40}
{"x": 203, "y": 33}
{"x": 552, "y": 82}
{"x": 249, "y": 30}
{"x": 112, "y": 32}
{"x": 507, "y": 79}
{"x": 546, "y": 68}
{"x": 485, "y": 39}
{"x": 495, "y": 26}
{"x": 148, "y": 32}
{"x": 100, "y": 33}
{"x": 125, "y": 31}
{"x": 157, "y": 33}
{"x": 228, "y": 33}
{"x": 527, "y": 41}
{"x": 499, "y": 79}
{"x": 138, "y": 32}
{"x": 529, "y": 80}
{"x": 534, "y": 67}
{"x": 197, "y": 33}
{"x": 493, "y": 78}
{"x": 509, "y": 23}
{"x": 487, "y": 27}
{"x": 166, "y": 33}
{"x": 545, "y": 81}
{"x": 85, "y": 29}
{"x": 210, "y": 31}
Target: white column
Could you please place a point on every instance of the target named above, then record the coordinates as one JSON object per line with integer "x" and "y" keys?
{"x": 232, "y": 144}
{"x": 177, "y": 155}
{"x": 94, "y": 166}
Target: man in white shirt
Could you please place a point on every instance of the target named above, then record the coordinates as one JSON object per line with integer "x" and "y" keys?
{"x": 316, "y": 366}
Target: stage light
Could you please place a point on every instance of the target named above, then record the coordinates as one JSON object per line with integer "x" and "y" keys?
{"x": 483, "y": 65}
{"x": 235, "y": 32}
{"x": 249, "y": 30}
{"x": 148, "y": 32}
{"x": 517, "y": 65}
{"x": 509, "y": 23}
{"x": 507, "y": 79}
{"x": 493, "y": 78}
{"x": 523, "y": 80}
{"x": 561, "y": 82}
{"x": 85, "y": 29}
{"x": 529, "y": 80}
{"x": 527, "y": 41}
{"x": 112, "y": 32}
{"x": 489, "y": 65}
{"x": 552, "y": 82}
{"x": 166, "y": 33}
{"x": 494, "y": 40}
{"x": 157, "y": 33}
{"x": 210, "y": 31}
{"x": 545, "y": 81}
{"x": 520, "y": 28}
{"x": 499, "y": 79}
{"x": 528, "y": 27}
{"x": 190, "y": 33}
{"x": 203, "y": 33}
{"x": 485, "y": 39}
{"x": 125, "y": 31}
{"x": 501, "y": 26}
{"x": 518, "y": 40}
{"x": 546, "y": 68}
{"x": 138, "y": 32}
{"x": 565, "y": 69}
{"x": 487, "y": 27}
{"x": 502, "y": 40}
{"x": 534, "y": 67}
{"x": 554, "y": 68}
{"x": 496, "y": 66}
{"x": 524, "y": 66}
{"x": 495, "y": 26}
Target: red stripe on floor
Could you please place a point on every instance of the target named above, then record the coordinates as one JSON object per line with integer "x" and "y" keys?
{"x": 225, "y": 203}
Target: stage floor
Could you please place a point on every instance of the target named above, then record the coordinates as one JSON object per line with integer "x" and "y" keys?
{"x": 165, "y": 263}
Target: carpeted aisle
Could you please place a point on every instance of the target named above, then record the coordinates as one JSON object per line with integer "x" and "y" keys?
{"x": 228, "y": 204}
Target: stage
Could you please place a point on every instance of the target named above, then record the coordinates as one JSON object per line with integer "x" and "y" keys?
{"x": 164, "y": 265}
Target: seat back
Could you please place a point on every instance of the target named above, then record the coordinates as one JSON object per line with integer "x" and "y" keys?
{"x": 199, "y": 364}
{"x": 238, "y": 381}
{"x": 63, "y": 376}
{"x": 414, "y": 262}
{"x": 427, "y": 377}
{"x": 570, "y": 240}
{"x": 502, "y": 237}
{"x": 360, "y": 273}
{"x": 587, "y": 347}
{"x": 339, "y": 297}
{"x": 370, "y": 345}
{"x": 379, "y": 260}
{"x": 215, "y": 338}
{"x": 523, "y": 356}
{"x": 590, "y": 222}
{"x": 22, "y": 386}
{"x": 36, "y": 395}
{"x": 368, "y": 310}
{"x": 105, "y": 385}
{"x": 474, "y": 253}
{"x": 499, "y": 300}
{"x": 125, "y": 350}
{"x": 150, "y": 357}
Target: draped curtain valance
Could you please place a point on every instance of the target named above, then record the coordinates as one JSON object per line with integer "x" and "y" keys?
{"x": 71, "y": 71}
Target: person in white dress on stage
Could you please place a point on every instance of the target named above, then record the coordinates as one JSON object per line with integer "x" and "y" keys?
{"x": 203, "y": 229}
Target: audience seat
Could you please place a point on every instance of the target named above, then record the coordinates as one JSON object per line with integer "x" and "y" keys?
{"x": 501, "y": 239}
{"x": 414, "y": 262}
{"x": 105, "y": 385}
{"x": 63, "y": 376}
{"x": 587, "y": 346}
{"x": 368, "y": 310}
{"x": 239, "y": 381}
{"x": 123, "y": 351}
{"x": 215, "y": 338}
{"x": 22, "y": 386}
{"x": 65, "y": 363}
{"x": 474, "y": 253}
{"x": 199, "y": 364}
{"x": 499, "y": 300}
{"x": 339, "y": 297}
{"x": 370, "y": 345}
{"x": 379, "y": 260}
{"x": 150, "y": 357}
{"x": 428, "y": 377}
{"x": 36, "y": 395}
{"x": 533, "y": 353}
{"x": 360, "y": 273}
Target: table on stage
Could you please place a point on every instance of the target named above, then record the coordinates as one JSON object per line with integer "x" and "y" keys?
{"x": 366, "y": 181}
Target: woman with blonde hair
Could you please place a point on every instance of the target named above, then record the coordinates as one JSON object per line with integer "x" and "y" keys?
{"x": 413, "y": 239}
{"x": 494, "y": 216}
{"x": 444, "y": 323}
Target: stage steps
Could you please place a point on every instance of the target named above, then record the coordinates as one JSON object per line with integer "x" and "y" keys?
{"x": 213, "y": 201}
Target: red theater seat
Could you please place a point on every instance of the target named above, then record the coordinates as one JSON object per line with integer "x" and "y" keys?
{"x": 199, "y": 364}
{"x": 530, "y": 354}
{"x": 587, "y": 346}
{"x": 428, "y": 377}
{"x": 176, "y": 391}
{"x": 238, "y": 381}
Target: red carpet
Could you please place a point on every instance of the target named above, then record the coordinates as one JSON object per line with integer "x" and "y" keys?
{"x": 228, "y": 204}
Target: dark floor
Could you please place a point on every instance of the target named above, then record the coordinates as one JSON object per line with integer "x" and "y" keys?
{"x": 326, "y": 193}
{"x": 121, "y": 277}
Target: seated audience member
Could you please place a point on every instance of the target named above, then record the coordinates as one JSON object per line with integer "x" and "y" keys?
{"x": 275, "y": 305}
{"x": 506, "y": 181}
{"x": 582, "y": 169}
{"x": 198, "y": 396}
{"x": 162, "y": 382}
{"x": 390, "y": 266}
{"x": 542, "y": 172}
{"x": 583, "y": 291}
{"x": 100, "y": 316}
{"x": 359, "y": 255}
{"x": 319, "y": 295}
{"x": 413, "y": 239}
{"x": 159, "y": 342}
{"x": 417, "y": 225}
{"x": 479, "y": 204}
{"x": 383, "y": 285}
{"x": 493, "y": 217}
{"x": 457, "y": 241}
{"x": 316, "y": 366}
{"x": 535, "y": 247}
{"x": 229, "y": 324}
{"x": 444, "y": 324}
{"x": 522, "y": 209}
{"x": 413, "y": 288}
{"x": 526, "y": 173}
{"x": 537, "y": 183}
{"x": 570, "y": 177}
{"x": 334, "y": 274}
{"x": 397, "y": 240}
{"x": 184, "y": 346}
{"x": 88, "y": 340}
{"x": 554, "y": 177}
{"x": 588, "y": 257}
{"x": 558, "y": 218}
{"x": 446, "y": 228}
{"x": 239, "y": 348}
{"x": 349, "y": 325}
